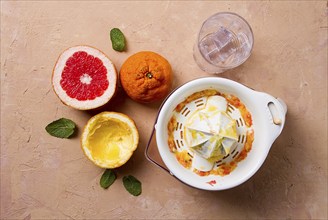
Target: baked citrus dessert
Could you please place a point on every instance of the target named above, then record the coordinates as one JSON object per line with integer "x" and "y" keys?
{"x": 84, "y": 78}
{"x": 146, "y": 77}
{"x": 109, "y": 139}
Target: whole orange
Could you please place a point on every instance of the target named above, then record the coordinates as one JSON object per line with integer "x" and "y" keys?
{"x": 146, "y": 77}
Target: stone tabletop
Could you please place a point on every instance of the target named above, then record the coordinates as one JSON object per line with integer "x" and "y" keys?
{"x": 43, "y": 177}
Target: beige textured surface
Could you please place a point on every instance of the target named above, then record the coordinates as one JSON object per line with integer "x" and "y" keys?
{"x": 44, "y": 177}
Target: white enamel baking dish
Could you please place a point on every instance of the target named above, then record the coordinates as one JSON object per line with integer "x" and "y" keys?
{"x": 268, "y": 114}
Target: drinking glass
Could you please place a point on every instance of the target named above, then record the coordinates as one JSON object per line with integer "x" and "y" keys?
{"x": 225, "y": 41}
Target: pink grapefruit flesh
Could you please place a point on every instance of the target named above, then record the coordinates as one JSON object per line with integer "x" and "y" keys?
{"x": 84, "y": 78}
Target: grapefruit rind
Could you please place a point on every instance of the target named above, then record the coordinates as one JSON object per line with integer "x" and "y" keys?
{"x": 87, "y": 104}
{"x": 108, "y": 164}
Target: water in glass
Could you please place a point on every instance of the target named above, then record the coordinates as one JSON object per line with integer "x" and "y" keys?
{"x": 224, "y": 47}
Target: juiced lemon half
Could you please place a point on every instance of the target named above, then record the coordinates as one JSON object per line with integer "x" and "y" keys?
{"x": 109, "y": 139}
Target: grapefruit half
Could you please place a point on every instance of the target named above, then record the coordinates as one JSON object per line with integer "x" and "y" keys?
{"x": 84, "y": 78}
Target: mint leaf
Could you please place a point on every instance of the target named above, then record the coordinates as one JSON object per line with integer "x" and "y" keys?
{"x": 118, "y": 40}
{"x": 62, "y": 128}
{"x": 132, "y": 185}
{"x": 107, "y": 178}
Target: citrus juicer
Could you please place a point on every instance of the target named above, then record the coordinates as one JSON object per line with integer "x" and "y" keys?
{"x": 268, "y": 114}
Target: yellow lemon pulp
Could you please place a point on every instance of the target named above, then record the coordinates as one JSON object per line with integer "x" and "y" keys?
{"x": 109, "y": 139}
